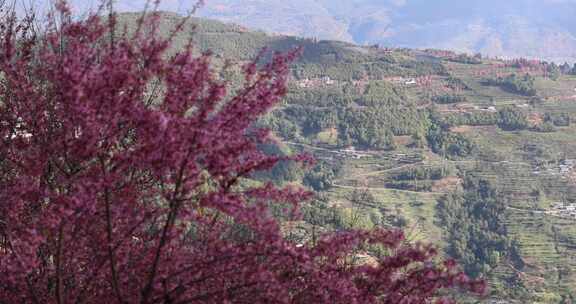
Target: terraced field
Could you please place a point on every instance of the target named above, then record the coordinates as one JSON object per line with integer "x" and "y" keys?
{"x": 373, "y": 116}
{"x": 530, "y": 180}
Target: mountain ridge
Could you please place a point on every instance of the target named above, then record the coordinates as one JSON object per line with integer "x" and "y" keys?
{"x": 525, "y": 28}
{"x": 539, "y": 29}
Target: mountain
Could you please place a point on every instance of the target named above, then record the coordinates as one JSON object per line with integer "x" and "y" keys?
{"x": 531, "y": 28}
{"x": 544, "y": 29}
{"x": 474, "y": 155}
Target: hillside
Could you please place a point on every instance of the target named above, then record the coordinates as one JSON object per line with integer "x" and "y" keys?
{"x": 543, "y": 29}
{"x": 527, "y": 28}
{"x": 475, "y": 155}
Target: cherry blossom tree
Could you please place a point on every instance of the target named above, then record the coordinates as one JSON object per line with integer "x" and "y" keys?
{"x": 123, "y": 180}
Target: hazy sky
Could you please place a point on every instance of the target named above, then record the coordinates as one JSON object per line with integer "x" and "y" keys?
{"x": 454, "y": 6}
{"x": 81, "y": 6}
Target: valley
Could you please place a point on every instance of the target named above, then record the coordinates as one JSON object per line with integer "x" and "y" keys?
{"x": 530, "y": 167}
{"x": 471, "y": 154}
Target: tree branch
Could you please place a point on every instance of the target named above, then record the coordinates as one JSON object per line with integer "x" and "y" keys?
{"x": 59, "y": 296}
{"x": 109, "y": 238}
{"x": 174, "y": 206}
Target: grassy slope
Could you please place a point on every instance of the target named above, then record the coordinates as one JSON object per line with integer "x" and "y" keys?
{"x": 547, "y": 244}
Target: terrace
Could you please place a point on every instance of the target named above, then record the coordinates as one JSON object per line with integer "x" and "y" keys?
{"x": 562, "y": 209}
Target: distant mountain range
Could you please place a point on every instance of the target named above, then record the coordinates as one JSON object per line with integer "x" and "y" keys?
{"x": 511, "y": 28}
{"x": 544, "y": 29}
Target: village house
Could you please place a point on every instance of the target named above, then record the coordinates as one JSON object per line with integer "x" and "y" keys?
{"x": 315, "y": 82}
{"x": 351, "y": 152}
{"x": 562, "y": 209}
{"x": 489, "y": 109}
{"x": 566, "y": 166}
{"x": 410, "y": 81}
{"x": 327, "y": 80}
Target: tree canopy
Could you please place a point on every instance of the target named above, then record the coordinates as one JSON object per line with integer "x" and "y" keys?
{"x": 123, "y": 179}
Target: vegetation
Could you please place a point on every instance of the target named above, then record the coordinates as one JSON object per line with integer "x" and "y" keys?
{"x": 523, "y": 85}
{"x": 367, "y": 103}
{"x": 424, "y": 173}
{"x": 418, "y": 186}
{"x": 467, "y": 59}
{"x": 369, "y": 119}
{"x": 321, "y": 177}
{"x": 447, "y": 99}
{"x": 478, "y": 118}
{"x": 284, "y": 170}
{"x": 512, "y": 119}
{"x": 553, "y": 71}
{"x": 558, "y": 119}
{"x": 448, "y": 144}
{"x": 402, "y": 138}
{"x": 125, "y": 177}
{"x": 475, "y": 221}
{"x": 545, "y": 127}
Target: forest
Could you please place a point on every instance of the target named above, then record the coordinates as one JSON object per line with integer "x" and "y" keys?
{"x": 307, "y": 172}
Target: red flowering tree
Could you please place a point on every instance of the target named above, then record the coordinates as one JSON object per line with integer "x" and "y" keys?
{"x": 121, "y": 181}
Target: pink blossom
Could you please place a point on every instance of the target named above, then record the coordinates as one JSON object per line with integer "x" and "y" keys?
{"x": 120, "y": 196}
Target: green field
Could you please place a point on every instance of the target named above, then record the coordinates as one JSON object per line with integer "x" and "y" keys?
{"x": 378, "y": 120}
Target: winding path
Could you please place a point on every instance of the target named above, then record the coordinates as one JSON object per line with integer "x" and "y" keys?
{"x": 386, "y": 189}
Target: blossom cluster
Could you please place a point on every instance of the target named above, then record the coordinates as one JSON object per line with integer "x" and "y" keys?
{"x": 122, "y": 174}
